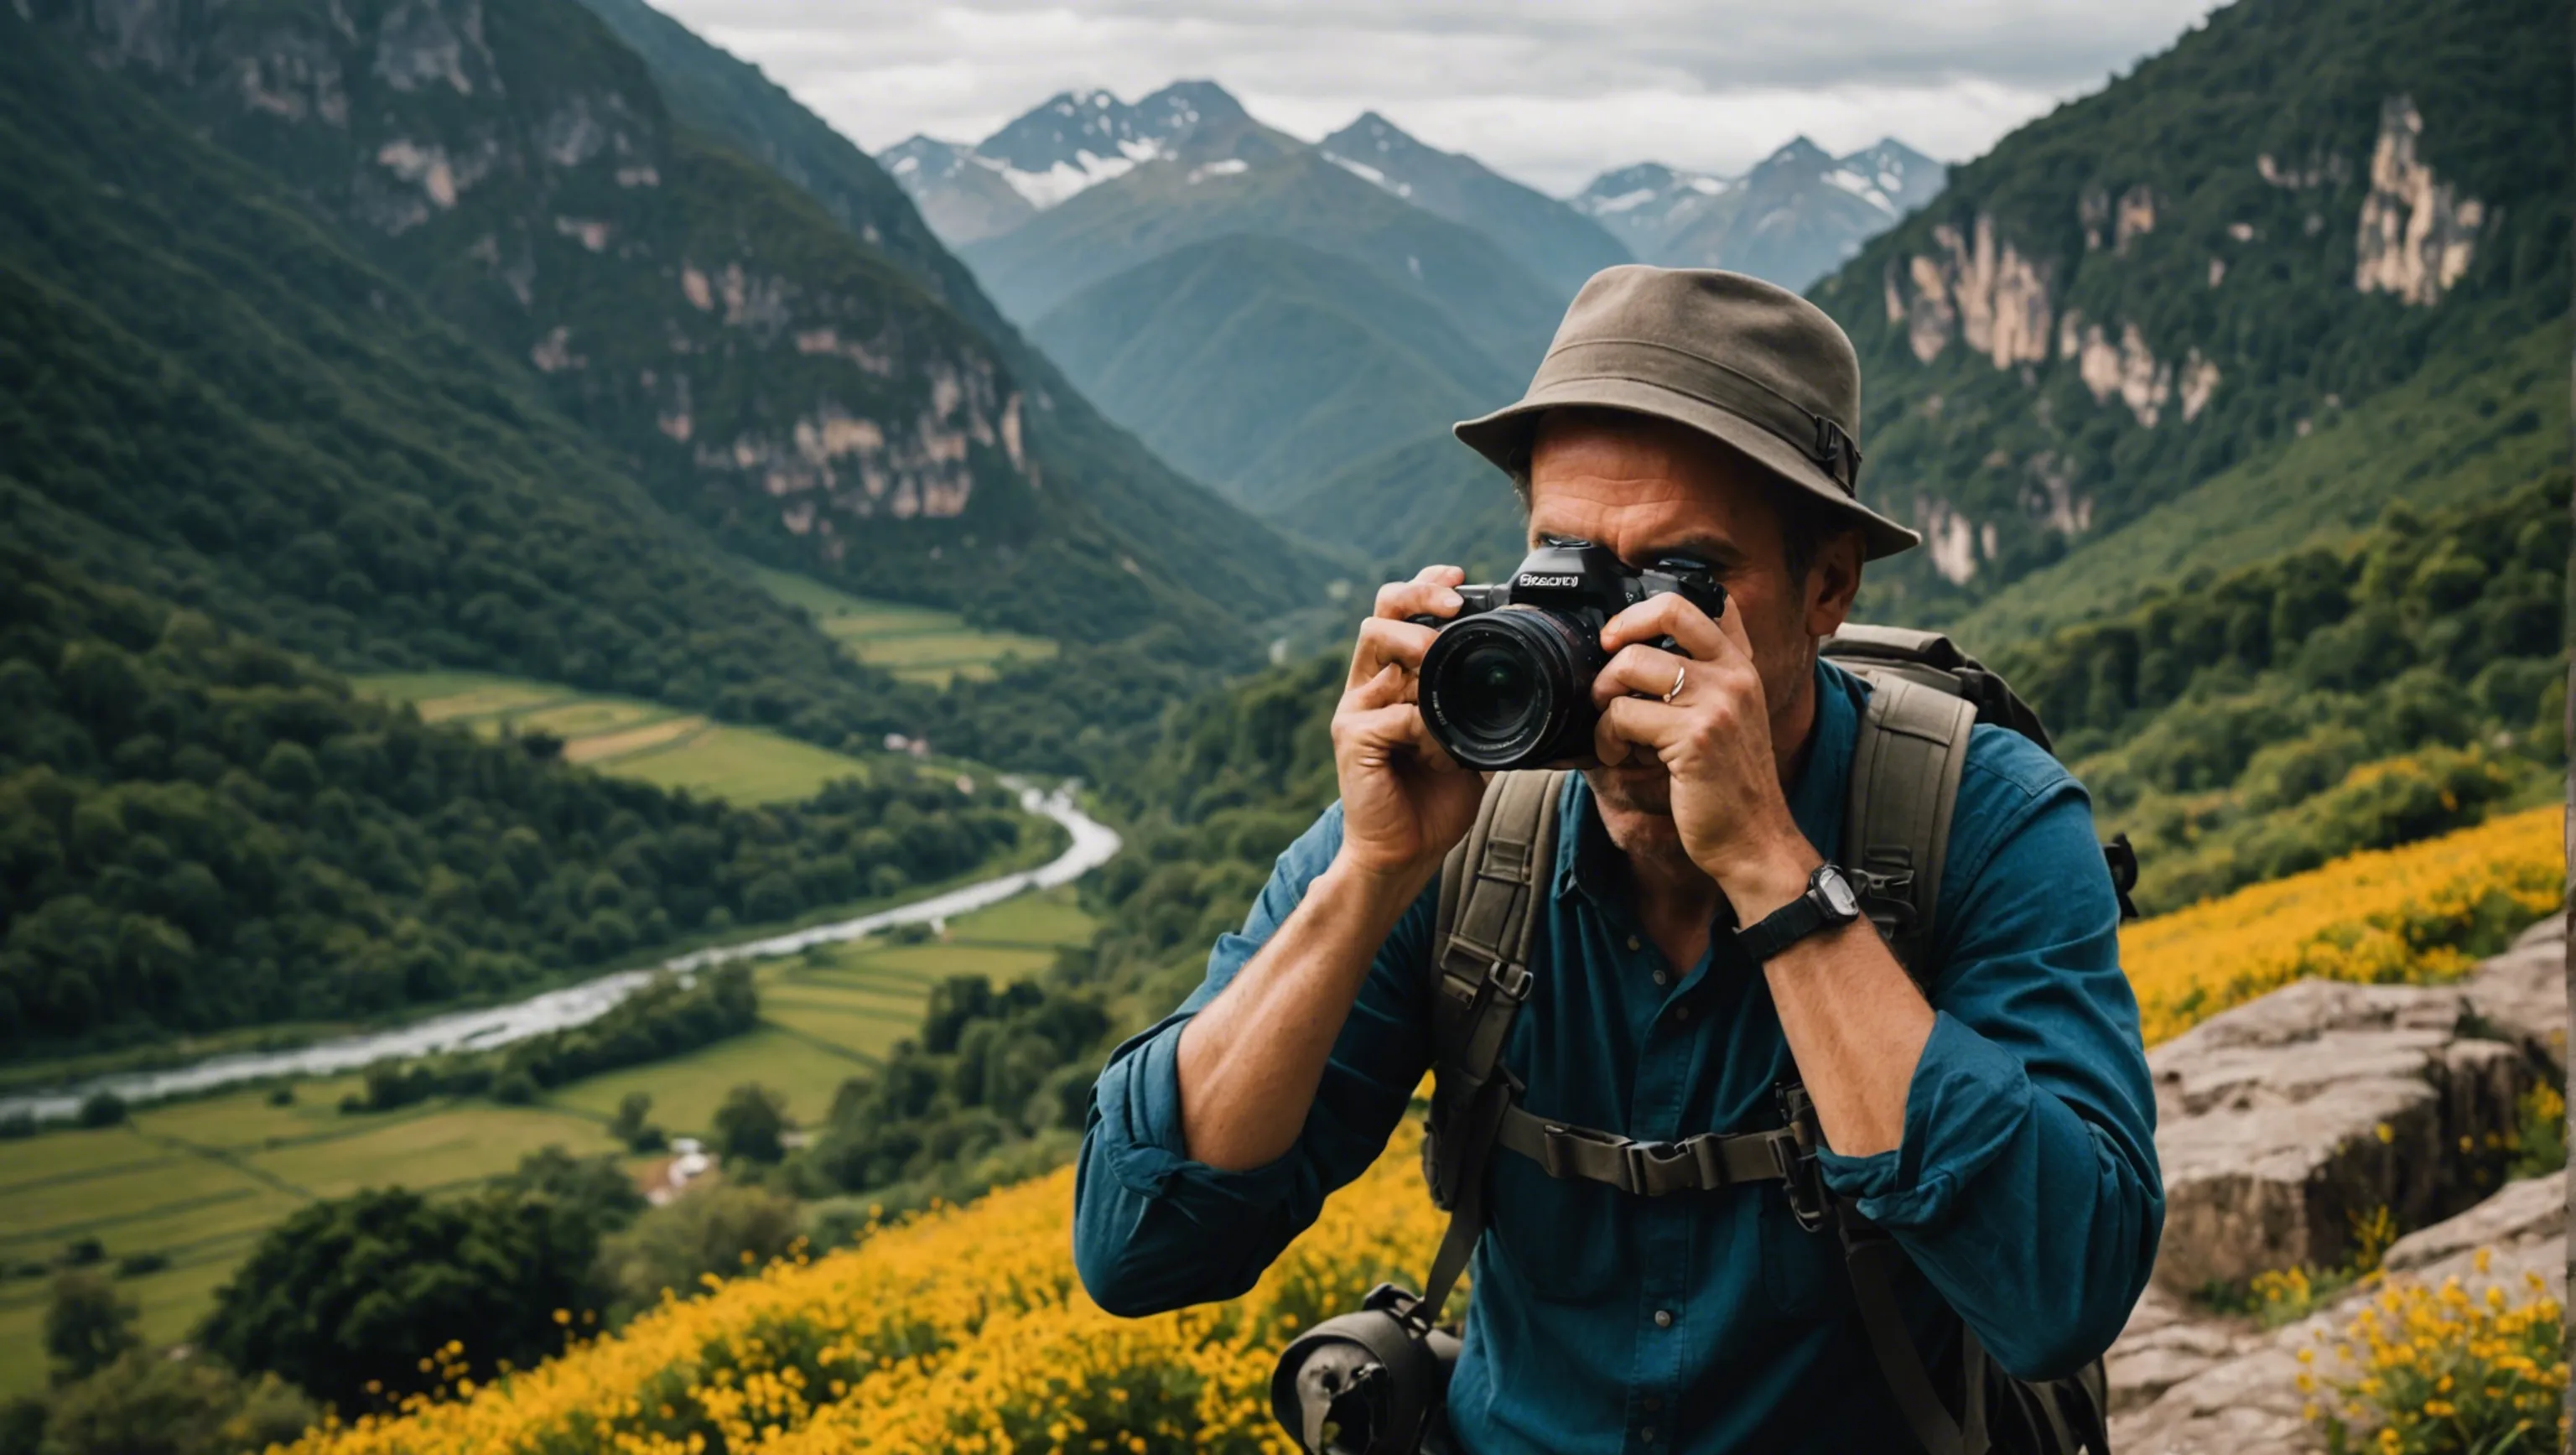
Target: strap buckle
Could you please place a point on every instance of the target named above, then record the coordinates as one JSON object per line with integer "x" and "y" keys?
{"x": 1802, "y": 1178}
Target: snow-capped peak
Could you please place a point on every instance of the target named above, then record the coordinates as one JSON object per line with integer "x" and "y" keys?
{"x": 1078, "y": 139}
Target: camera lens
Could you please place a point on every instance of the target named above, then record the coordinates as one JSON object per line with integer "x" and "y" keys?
{"x": 1511, "y": 688}
{"x": 1497, "y": 693}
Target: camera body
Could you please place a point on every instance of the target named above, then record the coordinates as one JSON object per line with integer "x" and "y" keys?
{"x": 1508, "y": 681}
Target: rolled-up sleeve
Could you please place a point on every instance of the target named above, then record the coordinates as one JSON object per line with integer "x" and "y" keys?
{"x": 2026, "y": 1187}
{"x": 1154, "y": 1230}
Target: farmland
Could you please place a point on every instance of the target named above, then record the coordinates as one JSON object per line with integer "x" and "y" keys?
{"x": 196, "y": 1182}
{"x": 625, "y": 736}
{"x": 915, "y": 643}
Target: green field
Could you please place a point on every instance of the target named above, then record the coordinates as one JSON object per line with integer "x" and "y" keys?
{"x": 199, "y": 1181}
{"x": 633, "y": 739}
{"x": 916, "y": 643}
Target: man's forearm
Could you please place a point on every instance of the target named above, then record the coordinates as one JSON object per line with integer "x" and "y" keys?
{"x": 1249, "y": 1063}
{"x": 1855, "y": 1022}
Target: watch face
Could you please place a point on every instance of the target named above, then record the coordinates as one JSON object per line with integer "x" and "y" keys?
{"x": 1837, "y": 892}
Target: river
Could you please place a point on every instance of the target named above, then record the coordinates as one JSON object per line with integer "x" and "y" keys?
{"x": 481, "y": 1029}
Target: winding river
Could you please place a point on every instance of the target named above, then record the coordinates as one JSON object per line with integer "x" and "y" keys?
{"x": 481, "y": 1029}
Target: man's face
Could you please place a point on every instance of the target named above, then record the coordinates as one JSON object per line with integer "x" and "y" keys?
{"x": 1647, "y": 488}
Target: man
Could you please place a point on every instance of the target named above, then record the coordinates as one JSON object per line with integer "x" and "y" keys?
{"x": 2001, "y": 1131}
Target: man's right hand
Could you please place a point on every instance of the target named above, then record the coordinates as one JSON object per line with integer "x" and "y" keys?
{"x": 1405, "y": 802}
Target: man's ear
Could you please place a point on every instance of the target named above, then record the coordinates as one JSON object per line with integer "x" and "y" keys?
{"x": 1832, "y": 581}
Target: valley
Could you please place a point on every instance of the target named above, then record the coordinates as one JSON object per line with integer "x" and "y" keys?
{"x": 197, "y": 1182}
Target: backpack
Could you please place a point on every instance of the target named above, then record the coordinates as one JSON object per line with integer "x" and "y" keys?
{"x": 1925, "y": 697}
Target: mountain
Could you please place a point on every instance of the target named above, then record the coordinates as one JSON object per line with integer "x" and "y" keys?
{"x": 208, "y": 395}
{"x": 1257, "y": 364}
{"x": 2173, "y": 315}
{"x": 1793, "y": 218}
{"x": 1558, "y": 244}
{"x": 764, "y": 370}
{"x": 1152, "y": 513}
{"x": 1069, "y": 143}
{"x": 1302, "y": 197}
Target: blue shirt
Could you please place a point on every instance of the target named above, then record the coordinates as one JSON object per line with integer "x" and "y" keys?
{"x": 2025, "y": 1192}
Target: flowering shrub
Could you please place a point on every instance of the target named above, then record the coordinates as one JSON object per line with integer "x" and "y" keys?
{"x": 962, "y": 1330}
{"x": 2439, "y": 1372}
{"x": 2413, "y": 915}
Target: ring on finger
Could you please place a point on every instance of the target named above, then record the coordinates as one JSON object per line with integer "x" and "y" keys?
{"x": 1676, "y": 689}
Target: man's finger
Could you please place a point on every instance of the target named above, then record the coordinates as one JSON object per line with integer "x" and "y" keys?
{"x": 1630, "y": 726}
{"x": 1430, "y": 593}
{"x": 1640, "y": 669}
{"x": 1391, "y": 734}
{"x": 1385, "y": 642}
{"x": 1383, "y": 688}
{"x": 1672, "y": 615}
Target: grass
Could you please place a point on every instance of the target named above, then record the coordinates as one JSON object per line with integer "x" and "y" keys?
{"x": 631, "y": 738}
{"x": 199, "y": 1181}
{"x": 915, "y": 643}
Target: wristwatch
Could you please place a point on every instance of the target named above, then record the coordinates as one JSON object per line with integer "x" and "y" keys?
{"x": 1829, "y": 903}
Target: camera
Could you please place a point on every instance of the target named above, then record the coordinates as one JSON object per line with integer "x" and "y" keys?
{"x": 1508, "y": 682}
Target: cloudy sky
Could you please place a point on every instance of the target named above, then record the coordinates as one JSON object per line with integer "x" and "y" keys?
{"x": 1549, "y": 91}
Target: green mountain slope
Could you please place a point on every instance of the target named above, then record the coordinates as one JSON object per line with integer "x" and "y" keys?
{"x": 763, "y": 369}
{"x": 1260, "y": 365}
{"x": 731, "y": 101}
{"x": 202, "y": 392}
{"x": 1303, "y": 198}
{"x": 2467, "y": 427}
{"x": 1427, "y": 499}
{"x": 2303, "y": 204}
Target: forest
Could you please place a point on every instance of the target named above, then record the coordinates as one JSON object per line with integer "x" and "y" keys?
{"x": 198, "y": 831}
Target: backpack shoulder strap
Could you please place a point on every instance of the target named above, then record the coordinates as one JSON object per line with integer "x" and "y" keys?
{"x": 1913, "y": 743}
{"x": 1491, "y": 888}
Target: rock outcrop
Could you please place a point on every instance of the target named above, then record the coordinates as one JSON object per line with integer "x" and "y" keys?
{"x": 2281, "y": 1119}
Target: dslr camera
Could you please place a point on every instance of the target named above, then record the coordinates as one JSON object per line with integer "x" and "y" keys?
{"x": 1508, "y": 682}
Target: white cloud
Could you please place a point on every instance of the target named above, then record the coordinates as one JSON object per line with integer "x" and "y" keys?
{"x": 1545, "y": 91}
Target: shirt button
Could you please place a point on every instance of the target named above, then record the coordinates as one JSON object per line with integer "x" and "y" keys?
{"x": 1681, "y": 1013}
{"x": 1663, "y": 1318}
{"x": 1651, "y": 1405}
{"x": 1661, "y": 977}
{"x": 1646, "y": 1436}
{"x": 1634, "y": 943}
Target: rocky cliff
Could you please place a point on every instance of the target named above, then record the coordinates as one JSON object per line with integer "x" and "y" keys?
{"x": 2294, "y": 209}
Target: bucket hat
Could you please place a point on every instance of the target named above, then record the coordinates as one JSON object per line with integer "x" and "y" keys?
{"x": 1748, "y": 362}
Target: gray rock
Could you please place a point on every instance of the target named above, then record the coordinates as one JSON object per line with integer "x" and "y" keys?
{"x": 2249, "y": 1398}
{"x": 2282, "y": 1121}
{"x": 2522, "y": 993}
{"x": 2271, "y": 1119}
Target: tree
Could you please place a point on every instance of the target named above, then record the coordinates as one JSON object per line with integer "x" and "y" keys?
{"x": 87, "y": 1327}
{"x": 143, "y": 1405}
{"x": 594, "y": 1186}
{"x": 632, "y": 1109}
{"x": 752, "y": 1124}
{"x": 347, "y": 1297}
{"x": 725, "y": 1230}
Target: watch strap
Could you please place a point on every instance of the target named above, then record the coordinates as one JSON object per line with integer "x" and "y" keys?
{"x": 1799, "y": 918}
{"x": 1782, "y": 927}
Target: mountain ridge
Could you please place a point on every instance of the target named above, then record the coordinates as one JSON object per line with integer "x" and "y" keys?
{"x": 1790, "y": 219}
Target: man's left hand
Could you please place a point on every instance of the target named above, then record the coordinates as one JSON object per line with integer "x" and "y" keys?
{"x": 1714, "y": 737}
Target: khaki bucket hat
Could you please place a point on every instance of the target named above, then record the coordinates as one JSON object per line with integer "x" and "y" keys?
{"x": 1753, "y": 364}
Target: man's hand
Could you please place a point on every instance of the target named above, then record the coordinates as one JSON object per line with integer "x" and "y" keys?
{"x": 1404, "y": 801}
{"x": 1714, "y": 737}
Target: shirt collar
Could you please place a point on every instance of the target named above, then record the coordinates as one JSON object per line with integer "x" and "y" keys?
{"x": 1587, "y": 860}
